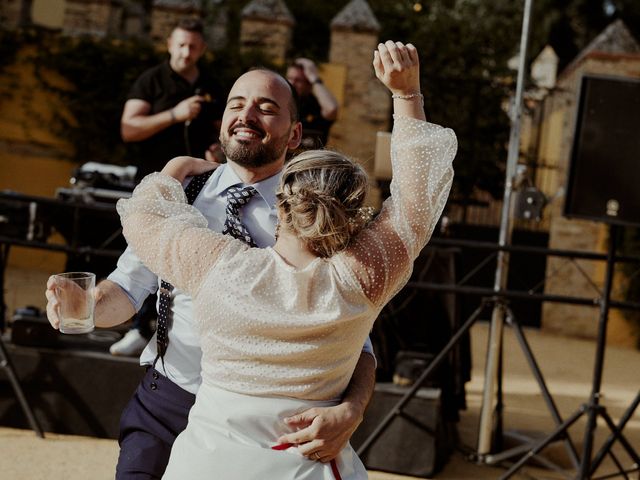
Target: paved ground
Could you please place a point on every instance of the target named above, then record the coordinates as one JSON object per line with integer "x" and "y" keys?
{"x": 566, "y": 364}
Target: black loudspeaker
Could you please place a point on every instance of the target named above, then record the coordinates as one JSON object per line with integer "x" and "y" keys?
{"x": 604, "y": 173}
{"x": 75, "y": 392}
{"x": 417, "y": 444}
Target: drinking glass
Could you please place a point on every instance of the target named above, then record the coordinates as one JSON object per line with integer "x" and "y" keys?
{"x": 76, "y": 302}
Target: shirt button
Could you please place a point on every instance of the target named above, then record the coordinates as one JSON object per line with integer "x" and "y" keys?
{"x": 155, "y": 375}
{"x": 153, "y": 386}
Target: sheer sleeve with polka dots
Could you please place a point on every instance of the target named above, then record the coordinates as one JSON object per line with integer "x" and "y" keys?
{"x": 169, "y": 235}
{"x": 382, "y": 255}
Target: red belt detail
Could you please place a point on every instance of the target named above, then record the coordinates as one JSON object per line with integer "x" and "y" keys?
{"x": 334, "y": 465}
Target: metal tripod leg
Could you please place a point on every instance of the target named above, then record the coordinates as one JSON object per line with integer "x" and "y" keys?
{"x": 617, "y": 434}
{"x": 614, "y": 435}
{"x": 7, "y": 366}
{"x": 397, "y": 408}
{"x": 537, "y": 373}
{"x": 561, "y": 430}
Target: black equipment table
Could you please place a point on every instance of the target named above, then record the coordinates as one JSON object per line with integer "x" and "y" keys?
{"x": 92, "y": 232}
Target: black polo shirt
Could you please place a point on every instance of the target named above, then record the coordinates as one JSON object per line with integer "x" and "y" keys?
{"x": 163, "y": 89}
{"x": 315, "y": 128}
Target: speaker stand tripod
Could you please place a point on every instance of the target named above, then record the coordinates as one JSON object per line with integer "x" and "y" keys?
{"x": 5, "y": 359}
{"x": 526, "y": 442}
{"x": 398, "y": 408}
{"x": 592, "y": 408}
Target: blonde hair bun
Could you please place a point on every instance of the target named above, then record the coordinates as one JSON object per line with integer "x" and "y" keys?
{"x": 320, "y": 198}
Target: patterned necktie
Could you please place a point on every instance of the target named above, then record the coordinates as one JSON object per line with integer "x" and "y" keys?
{"x": 238, "y": 197}
{"x": 164, "y": 310}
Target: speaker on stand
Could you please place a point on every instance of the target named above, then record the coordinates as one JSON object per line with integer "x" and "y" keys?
{"x": 604, "y": 171}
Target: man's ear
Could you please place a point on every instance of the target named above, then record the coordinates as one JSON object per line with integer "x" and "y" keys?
{"x": 295, "y": 137}
{"x": 204, "y": 48}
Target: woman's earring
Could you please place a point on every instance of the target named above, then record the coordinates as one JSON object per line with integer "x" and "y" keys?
{"x": 277, "y": 230}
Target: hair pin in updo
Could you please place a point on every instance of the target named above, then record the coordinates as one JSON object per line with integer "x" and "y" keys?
{"x": 362, "y": 216}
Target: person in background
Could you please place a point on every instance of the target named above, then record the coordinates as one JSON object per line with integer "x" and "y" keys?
{"x": 172, "y": 109}
{"x": 318, "y": 106}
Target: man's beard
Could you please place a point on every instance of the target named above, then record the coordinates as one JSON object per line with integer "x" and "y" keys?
{"x": 252, "y": 155}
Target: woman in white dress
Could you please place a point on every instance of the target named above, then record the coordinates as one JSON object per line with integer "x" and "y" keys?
{"x": 282, "y": 328}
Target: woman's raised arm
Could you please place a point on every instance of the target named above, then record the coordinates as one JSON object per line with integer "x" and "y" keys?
{"x": 421, "y": 156}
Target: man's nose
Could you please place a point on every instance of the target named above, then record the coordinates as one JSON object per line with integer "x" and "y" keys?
{"x": 247, "y": 114}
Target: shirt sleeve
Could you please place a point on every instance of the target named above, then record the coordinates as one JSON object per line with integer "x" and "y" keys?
{"x": 170, "y": 236}
{"x": 382, "y": 255}
{"x": 368, "y": 348}
{"x": 136, "y": 280}
{"x": 142, "y": 88}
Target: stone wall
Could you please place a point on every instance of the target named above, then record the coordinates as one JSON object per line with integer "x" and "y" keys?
{"x": 33, "y": 159}
{"x": 92, "y": 17}
{"x": 163, "y": 20}
{"x": 11, "y": 13}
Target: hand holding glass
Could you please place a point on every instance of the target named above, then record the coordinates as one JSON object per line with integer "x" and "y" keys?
{"x": 76, "y": 302}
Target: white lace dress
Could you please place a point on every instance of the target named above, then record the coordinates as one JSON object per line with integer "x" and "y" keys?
{"x": 277, "y": 340}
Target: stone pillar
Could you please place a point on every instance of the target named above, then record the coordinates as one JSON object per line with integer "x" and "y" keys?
{"x": 165, "y": 14}
{"x": 92, "y": 17}
{"x": 135, "y": 20}
{"x": 367, "y": 103}
{"x": 544, "y": 68}
{"x": 266, "y": 27}
{"x": 15, "y": 13}
{"x": 216, "y": 23}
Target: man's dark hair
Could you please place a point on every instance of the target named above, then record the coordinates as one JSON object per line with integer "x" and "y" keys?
{"x": 295, "y": 103}
{"x": 190, "y": 24}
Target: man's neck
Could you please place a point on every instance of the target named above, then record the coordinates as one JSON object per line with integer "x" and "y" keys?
{"x": 256, "y": 174}
{"x": 190, "y": 75}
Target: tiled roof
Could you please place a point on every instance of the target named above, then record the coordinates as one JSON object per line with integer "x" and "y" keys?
{"x": 268, "y": 10}
{"x": 356, "y": 15}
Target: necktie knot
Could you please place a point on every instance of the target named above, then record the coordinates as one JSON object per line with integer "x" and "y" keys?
{"x": 238, "y": 197}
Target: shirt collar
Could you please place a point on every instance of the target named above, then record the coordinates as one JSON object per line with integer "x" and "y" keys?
{"x": 266, "y": 188}
{"x": 177, "y": 77}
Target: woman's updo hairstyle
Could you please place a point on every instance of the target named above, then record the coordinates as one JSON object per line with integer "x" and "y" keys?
{"x": 320, "y": 198}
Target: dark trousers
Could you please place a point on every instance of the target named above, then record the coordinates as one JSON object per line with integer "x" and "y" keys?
{"x": 150, "y": 423}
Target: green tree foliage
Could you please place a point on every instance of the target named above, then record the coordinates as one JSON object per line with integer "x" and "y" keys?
{"x": 569, "y": 25}
{"x": 465, "y": 77}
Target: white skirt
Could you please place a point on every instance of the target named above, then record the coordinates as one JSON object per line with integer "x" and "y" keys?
{"x": 230, "y": 436}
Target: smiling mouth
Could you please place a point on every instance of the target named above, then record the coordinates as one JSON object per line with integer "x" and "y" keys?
{"x": 245, "y": 132}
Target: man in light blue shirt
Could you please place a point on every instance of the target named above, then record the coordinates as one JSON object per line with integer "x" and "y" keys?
{"x": 259, "y": 126}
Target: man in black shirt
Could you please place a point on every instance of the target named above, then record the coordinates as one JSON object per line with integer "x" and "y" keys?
{"x": 318, "y": 107}
{"x": 171, "y": 110}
